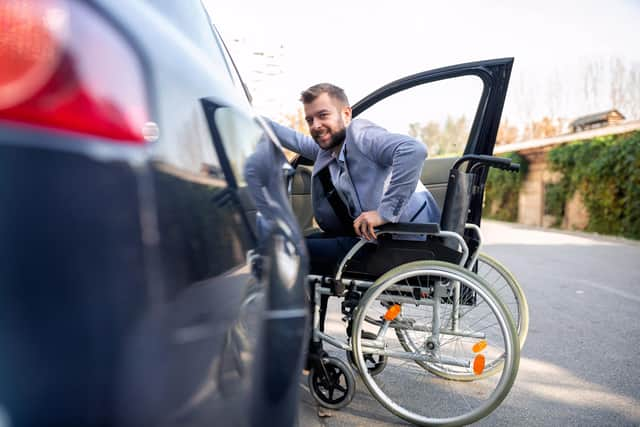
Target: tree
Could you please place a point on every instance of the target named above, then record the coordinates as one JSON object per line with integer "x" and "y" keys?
{"x": 449, "y": 139}
{"x": 296, "y": 121}
{"x": 593, "y": 77}
{"x": 544, "y": 128}
{"x": 415, "y": 130}
{"x": 525, "y": 96}
{"x": 615, "y": 84}
{"x": 617, "y": 89}
{"x": 633, "y": 107}
{"x": 429, "y": 134}
{"x": 556, "y": 95}
{"x": 507, "y": 134}
{"x": 454, "y": 135}
{"x": 624, "y": 91}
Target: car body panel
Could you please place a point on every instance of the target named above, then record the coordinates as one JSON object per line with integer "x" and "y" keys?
{"x": 137, "y": 288}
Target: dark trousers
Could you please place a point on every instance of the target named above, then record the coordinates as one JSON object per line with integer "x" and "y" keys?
{"x": 325, "y": 252}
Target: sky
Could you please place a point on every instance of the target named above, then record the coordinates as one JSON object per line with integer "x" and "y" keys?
{"x": 362, "y": 45}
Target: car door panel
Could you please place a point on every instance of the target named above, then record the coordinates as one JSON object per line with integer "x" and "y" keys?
{"x": 435, "y": 174}
{"x": 274, "y": 310}
{"x": 204, "y": 246}
{"x": 494, "y": 75}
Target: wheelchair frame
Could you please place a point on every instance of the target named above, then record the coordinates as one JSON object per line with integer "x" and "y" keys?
{"x": 334, "y": 288}
{"x": 341, "y": 284}
{"x": 337, "y": 286}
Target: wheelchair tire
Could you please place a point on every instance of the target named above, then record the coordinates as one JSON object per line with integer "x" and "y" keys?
{"x": 507, "y": 288}
{"x": 424, "y": 290}
{"x": 375, "y": 363}
{"x": 332, "y": 383}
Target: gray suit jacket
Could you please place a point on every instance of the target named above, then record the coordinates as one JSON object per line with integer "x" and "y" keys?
{"x": 384, "y": 167}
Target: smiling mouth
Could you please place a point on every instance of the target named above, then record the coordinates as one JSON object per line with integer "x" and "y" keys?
{"x": 322, "y": 136}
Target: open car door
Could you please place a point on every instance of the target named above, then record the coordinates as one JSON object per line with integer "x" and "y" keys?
{"x": 454, "y": 110}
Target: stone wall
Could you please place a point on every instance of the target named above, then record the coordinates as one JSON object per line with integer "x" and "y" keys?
{"x": 576, "y": 216}
{"x": 531, "y": 199}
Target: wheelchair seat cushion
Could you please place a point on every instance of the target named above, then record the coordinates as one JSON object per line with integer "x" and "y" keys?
{"x": 375, "y": 259}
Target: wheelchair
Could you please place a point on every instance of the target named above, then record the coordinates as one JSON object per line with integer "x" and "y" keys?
{"x": 434, "y": 326}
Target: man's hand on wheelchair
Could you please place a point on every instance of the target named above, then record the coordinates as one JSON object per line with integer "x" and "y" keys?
{"x": 365, "y": 224}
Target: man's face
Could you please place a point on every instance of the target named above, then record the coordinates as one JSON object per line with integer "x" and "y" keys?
{"x": 327, "y": 121}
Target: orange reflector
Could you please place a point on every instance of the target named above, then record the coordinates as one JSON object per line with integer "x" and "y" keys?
{"x": 479, "y": 346}
{"x": 392, "y": 312}
{"x": 478, "y": 364}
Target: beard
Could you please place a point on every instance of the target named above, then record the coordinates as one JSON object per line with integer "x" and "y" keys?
{"x": 337, "y": 138}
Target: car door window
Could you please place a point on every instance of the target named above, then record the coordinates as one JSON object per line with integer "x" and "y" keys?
{"x": 239, "y": 134}
{"x": 455, "y": 110}
{"x": 440, "y": 113}
{"x": 254, "y": 165}
{"x": 224, "y": 53}
{"x": 203, "y": 235}
{"x": 195, "y": 154}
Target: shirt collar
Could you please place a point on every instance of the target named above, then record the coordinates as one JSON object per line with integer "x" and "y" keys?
{"x": 340, "y": 156}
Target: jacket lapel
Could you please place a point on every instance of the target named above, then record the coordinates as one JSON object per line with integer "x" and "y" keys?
{"x": 323, "y": 159}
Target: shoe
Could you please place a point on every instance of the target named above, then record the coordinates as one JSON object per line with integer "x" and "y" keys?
{"x": 315, "y": 354}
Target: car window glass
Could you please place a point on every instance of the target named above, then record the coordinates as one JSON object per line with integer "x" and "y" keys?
{"x": 193, "y": 151}
{"x": 439, "y": 113}
{"x": 190, "y": 20}
{"x": 231, "y": 66}
{"x": 240, "y": 135}
{"x": 233, "y": 70}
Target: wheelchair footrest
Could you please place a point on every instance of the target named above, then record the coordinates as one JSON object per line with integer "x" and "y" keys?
{"x": 350, "y": 302}
{"x": 336, "y": 287}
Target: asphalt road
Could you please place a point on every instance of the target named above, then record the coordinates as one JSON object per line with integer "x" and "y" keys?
{"x": 581, "y": 363}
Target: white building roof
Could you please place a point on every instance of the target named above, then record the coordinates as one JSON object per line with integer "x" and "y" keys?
{"x": 624, "y": 127}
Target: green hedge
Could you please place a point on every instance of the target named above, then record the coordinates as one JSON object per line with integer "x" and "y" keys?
{"x": 502, "y": 190}
{"x": 555, "y": 198}
{"x": 606, "y": 172}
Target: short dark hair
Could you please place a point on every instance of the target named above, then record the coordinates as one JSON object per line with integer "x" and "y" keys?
{"x": 335, "y": 92}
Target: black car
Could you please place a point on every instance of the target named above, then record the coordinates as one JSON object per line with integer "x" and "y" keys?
{"x": 151, "y": 270}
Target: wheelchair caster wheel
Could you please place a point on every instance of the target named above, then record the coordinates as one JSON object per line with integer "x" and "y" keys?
{"x": 375, "y": 362}
{"x": 332, "y": 383}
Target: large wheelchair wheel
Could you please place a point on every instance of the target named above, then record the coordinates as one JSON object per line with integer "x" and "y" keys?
{"x": 508, "y": 290}
{"x": 422, "y": 300}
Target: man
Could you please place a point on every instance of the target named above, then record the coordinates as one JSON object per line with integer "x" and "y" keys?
{"x": 375, "y": 173}
{"x": 363, "y": 176}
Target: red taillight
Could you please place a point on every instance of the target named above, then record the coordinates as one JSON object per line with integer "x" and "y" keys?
{"x": 64, "y": 66}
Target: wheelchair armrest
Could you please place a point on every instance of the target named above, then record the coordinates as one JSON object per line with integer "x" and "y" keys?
{"x": 408, "y": 228}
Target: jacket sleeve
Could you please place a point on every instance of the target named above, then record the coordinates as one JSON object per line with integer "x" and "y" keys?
{"x": 406, "y": 157}
{"x": 295, "y": 141}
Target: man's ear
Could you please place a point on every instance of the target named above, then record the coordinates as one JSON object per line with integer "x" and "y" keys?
{"x": 346, "y": 114}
